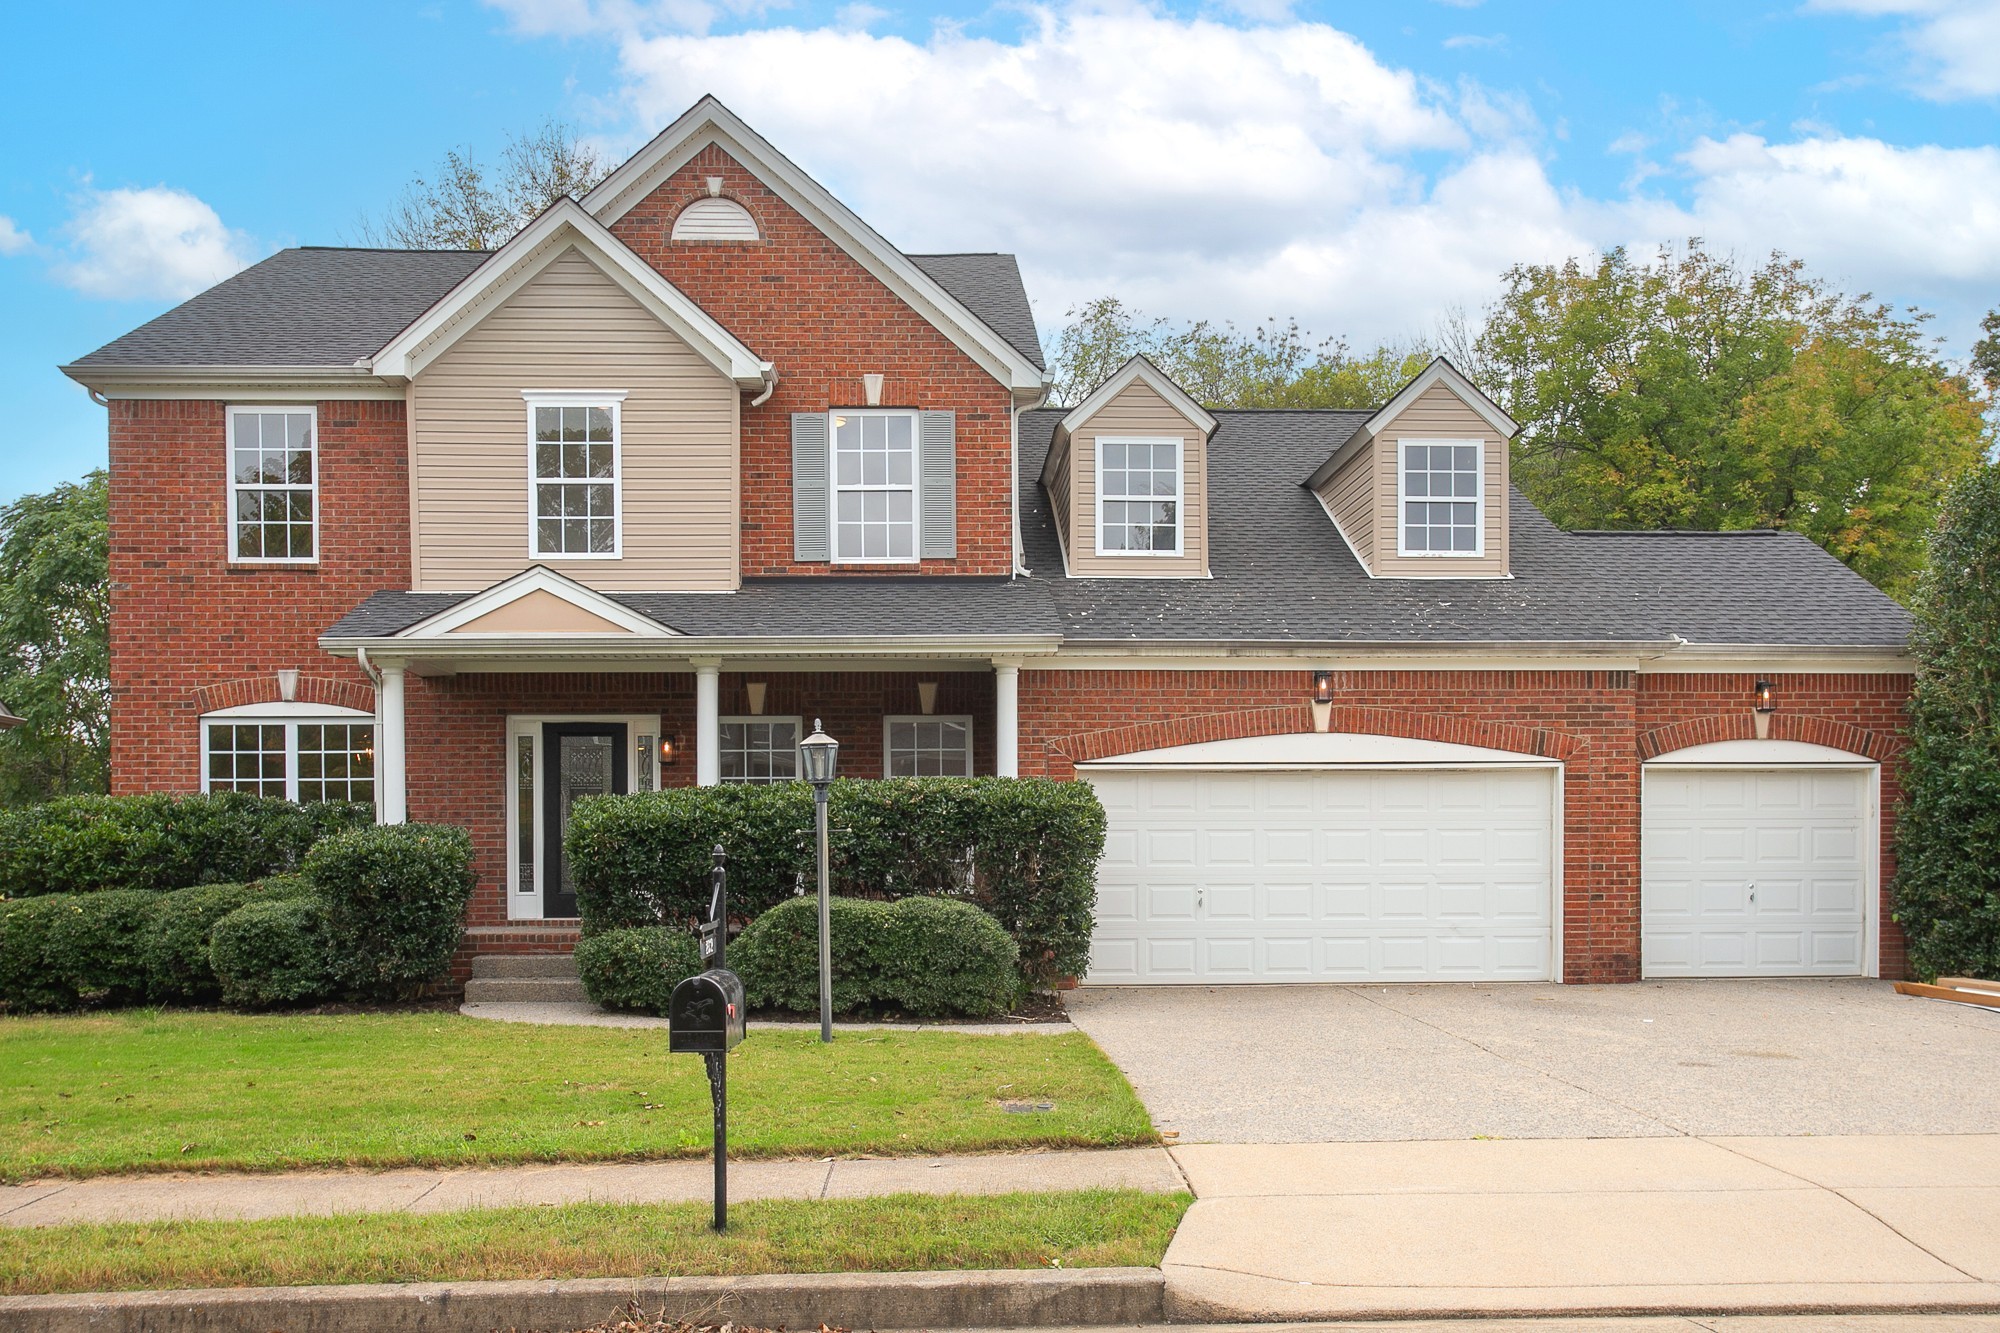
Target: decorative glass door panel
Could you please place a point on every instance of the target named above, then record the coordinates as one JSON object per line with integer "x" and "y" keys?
{"x": 580, "y": 759}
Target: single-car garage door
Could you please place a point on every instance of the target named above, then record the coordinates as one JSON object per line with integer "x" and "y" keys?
{"x": 1748, "y": 872}
{"x": 1324, "y": 875}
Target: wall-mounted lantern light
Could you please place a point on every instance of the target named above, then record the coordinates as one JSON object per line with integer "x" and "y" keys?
{"x": 1765, "y": 705}
{"x": 1322, "y": 700}
{"x": 668, "y": 746}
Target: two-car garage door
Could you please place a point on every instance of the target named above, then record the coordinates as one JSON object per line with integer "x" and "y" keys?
{"x": 1327, "y": 874}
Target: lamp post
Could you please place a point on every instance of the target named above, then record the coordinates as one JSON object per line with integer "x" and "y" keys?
{"x": 819, "y": 756}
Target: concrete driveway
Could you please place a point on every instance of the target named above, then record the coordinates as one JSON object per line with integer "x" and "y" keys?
{"x": 1324, "y": 1064}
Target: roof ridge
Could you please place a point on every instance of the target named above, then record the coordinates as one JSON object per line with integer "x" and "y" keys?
{"x": 1674, "y": 532}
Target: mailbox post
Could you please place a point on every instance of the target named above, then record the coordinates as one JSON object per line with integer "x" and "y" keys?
{"x": 705, "y": 1016}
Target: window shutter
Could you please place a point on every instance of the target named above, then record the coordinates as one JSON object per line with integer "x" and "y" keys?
{"x": 939, "y": 445}
{"x": 811, "y": 539}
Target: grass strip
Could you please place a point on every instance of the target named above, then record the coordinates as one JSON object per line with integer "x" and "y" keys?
{"x": 149, "y": 1090}
{"x": 892, "y": 1233}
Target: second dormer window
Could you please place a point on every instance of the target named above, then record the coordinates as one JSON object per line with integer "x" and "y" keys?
{"x": 874, "y": 487}
{"x": 1441, "y": 498}
{"x": 573, "y": 485}
{"x": 1138, "y": 496}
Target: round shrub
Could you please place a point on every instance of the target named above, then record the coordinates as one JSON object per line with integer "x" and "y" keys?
{"x": 26, "y": 983}
{"x": 272, "y": 953}
{"x": 175, "y": 947}
{"x": 939, "y": 957}
{"x": 777, "y": 955}
{"x": 395, "y": 897}
{"x": 637, "y": 968}
{"x": 95, "y": 945}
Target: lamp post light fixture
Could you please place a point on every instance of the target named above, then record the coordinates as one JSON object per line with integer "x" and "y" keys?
{"x": 1766, "y": 704}
{"x": 819, "y": 757}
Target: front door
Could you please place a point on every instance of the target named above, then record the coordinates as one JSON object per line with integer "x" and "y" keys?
{"x": 580, "y": 759}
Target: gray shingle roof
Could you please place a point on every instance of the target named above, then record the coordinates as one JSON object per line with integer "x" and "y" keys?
{"x": 321, "y": 306}
{"x": 989, "y": 285}
{"x": 311, "y": 306}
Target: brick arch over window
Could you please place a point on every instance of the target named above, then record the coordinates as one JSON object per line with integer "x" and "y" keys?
{"x": 264, "y": 690}
{"x": 1286, "y": 720}
{"x": 1742, "y": 726}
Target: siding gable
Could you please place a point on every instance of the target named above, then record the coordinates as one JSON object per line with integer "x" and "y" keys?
{"x": 1138, "y": 410}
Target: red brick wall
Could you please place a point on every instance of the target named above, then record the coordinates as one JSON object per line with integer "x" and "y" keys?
{"x": 190, "y": 631}
{"x": 1593, "y": 721}
{"x": 799, "y": 300}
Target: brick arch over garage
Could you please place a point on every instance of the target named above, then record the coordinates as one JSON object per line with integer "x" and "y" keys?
{"x": 1742, "y": 726}
{"x": 1284, "y": 720}
{"x": 264, "y": 690}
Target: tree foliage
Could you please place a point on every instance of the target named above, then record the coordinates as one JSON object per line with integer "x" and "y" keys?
{"x": 459, "y": 206}
{"x": 1691, "y": 392}
{"x": 54, "y": 644}
{"x": 1220, "y": 366}
{"x": 1947, "y": 890}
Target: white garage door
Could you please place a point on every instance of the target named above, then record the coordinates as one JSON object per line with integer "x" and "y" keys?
{"x": 1755, "y": 873}
{"x": 1427, "y": 875}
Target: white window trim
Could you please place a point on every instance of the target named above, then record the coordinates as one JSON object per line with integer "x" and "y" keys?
{"x": 233, "y": 486}
{"x": 834, "y": 488}
{"x": 291, "y": 716}
{"x": 613, "y": 399}
{"x": 798, "y": 729}
{"x": 528, "y": 906}
{"x": 1478, "y": 499}
{"x": 971, "y": 738}
{"x": 1180, "y": 492}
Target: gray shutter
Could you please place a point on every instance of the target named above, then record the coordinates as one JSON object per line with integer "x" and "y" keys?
{"x": 939, "y": 446}
{"x": 810, "y": 537}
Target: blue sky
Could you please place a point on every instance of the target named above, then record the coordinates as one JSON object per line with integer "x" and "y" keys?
{"x": 1366, "y": 167}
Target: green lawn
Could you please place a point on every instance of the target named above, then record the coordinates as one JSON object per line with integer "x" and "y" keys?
{"x": 901, "y": 1232}
{"x": 164, "y": 1091}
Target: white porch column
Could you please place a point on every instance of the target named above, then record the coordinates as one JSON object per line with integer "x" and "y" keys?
{"x": 391, "y": 777}
{"x": 707, "y": 723}
{"x": 1007, "y": 719}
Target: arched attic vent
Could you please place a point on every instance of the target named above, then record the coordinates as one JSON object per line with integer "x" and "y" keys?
{"x": 715, "y": 219}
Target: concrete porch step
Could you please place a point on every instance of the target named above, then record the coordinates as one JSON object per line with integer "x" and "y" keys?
{"x": 493, "y": 966}
{"x": 524, "y": 990}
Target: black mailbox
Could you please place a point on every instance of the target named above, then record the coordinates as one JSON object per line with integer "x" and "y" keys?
{"x": 705, "y": 1013}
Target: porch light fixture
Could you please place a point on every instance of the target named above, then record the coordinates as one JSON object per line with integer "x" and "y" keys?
{"x": 668, "y": 744}
{"x": 819, "y": 757}
{"x": 1322, "y": 701}
{"x": 8, "y": 721}
{"x": 1766, "y": 704}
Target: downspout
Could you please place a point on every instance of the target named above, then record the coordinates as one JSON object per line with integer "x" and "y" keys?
{"x": 367, "y": 667}
{"x": 770, "y": 385}
{"x": 1021, "y": 570}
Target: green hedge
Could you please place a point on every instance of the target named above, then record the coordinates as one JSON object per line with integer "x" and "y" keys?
{"x": 395, "y": 897}
{"x": 638, "y": 967}
{"x": 924, "y": 957}
{"x": 85, "y": 844}
{"x": 1024, "y": 849}
{"x": 273, "y": 953}
{"x": 175, "y": 949}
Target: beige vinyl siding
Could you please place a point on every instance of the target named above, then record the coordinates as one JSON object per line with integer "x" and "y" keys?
{"x": 1138, "y": 410}
{"x": 1349, "y": 495}
{"x": 1438, "y": 414}
{"x": 1058, "y": 486}
{"x": 572, "y": 327}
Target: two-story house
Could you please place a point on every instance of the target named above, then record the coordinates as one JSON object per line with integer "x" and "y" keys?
{"x": 632, "y": 500}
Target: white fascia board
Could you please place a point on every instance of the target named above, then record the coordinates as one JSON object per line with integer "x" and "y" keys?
{"x": 1439, "y": 371}
{"x": 566, "y": 653}
{"x": 539, "y": 578}
{"x": 562, "y": 227}
{"x": 1138, "y": 368}
{"x": 262, "y": 383}
{"x": 710, "y": 122}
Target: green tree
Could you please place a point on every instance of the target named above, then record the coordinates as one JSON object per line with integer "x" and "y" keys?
{"x": 460, "y": 207}
{"x": 1691, "y": 392}
{"x": 1276, "y": 366}
{"x": 1947, "y": 889}
{"x": 54, "y": 646}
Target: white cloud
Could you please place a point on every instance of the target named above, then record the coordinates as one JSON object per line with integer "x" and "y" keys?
{"x": 13, "y": 240}
{"x": 587, "y": 18}
{"x": 859, "y": 15}
{"x": 153, "y": 243}
{"x": 1953, "y": 46}
{"x": 1464, "y": 40}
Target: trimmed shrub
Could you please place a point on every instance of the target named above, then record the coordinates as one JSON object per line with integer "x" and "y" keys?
{"x": 637, "y": 968}
{"x": 26, "y": 983}
{"x": 158, "y": 841}
{"x": 926, "y": 957}
{"x": 175, "y": 948}
{"x": 1024, "y": 849}
{"x": 96, "y": 943}
{"x": 395, "y": 897}
{"x": 272, "y": 953}
{"x": 1947, "y": 886}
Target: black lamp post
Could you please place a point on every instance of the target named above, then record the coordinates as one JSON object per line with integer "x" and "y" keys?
{"x": 819, "y": 757}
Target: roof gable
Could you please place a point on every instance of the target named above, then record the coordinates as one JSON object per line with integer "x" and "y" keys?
{"x": 538, "y": 601}
{"x": 1139, "y": 368}
{"x": 1439, "y": 371}
{"x": 709, "y": 122}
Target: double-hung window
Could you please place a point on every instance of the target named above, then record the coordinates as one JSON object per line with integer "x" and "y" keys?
{"x": 1138, "y": 496}
{"x": 759, "y": 749}
{"x": 276, "y": 750}
{"x": 927, "y": 747}
{"x": 273, "y": 484}
{"x": 874, "y": 487}
{"x": 573, "y": 483}
{"x": 1442, "y": 502}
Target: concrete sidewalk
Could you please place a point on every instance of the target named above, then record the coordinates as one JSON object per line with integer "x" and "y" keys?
{"x": 1385, "y": 1230}
{"x": 151, "y": 1198}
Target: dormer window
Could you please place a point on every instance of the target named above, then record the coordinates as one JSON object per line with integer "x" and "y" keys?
{"x": 1442, "y": 502}
{"x": 1138, "y": 496}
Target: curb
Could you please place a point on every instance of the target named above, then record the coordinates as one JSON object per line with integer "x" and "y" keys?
{"x": 1026, "y": 1298}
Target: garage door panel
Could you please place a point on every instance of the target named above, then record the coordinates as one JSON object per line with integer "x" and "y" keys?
{"x": 1332, "y": 876}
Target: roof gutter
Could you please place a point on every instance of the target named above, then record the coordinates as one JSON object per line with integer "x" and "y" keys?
{"x": 463, "y": 647}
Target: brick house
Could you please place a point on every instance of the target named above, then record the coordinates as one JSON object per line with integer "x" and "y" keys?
{"x": 632, "y": 500}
